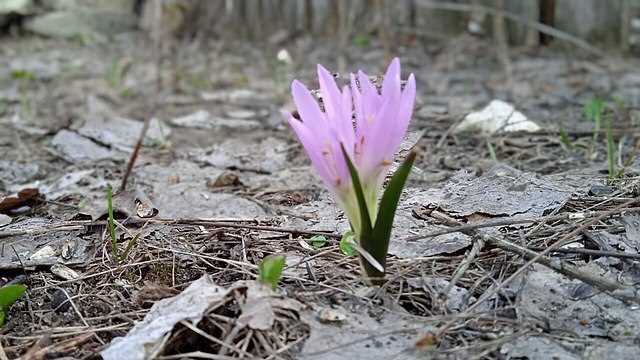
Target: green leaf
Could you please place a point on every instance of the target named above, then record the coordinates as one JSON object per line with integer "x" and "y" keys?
{"x": 378, "y": 245}
{"x": 365, "y": 219}
{"x": 21, "y": 74}
{"x": 317, "y": 241}
{"x": 8, "y": 295}
{"x": 270, "y": 270}
{"x": 346, "y": 243}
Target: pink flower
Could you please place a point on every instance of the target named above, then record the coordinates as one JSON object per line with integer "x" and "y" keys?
{"x": 370, "y": 140}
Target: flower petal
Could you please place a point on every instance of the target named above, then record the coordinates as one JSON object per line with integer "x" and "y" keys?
{"x": 405, "y": 111}
{"x": 391, "y": 78}
{"x": 313, "y": 149}
{"x": 330, "y": 93}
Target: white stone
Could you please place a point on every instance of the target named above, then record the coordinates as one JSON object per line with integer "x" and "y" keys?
{"x": 498, "y": 116}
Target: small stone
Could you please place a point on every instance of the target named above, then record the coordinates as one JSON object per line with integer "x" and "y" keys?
{"x": 601, "y": 190}
{"x": 64, "y": 272}
{"x": 498, "y": 116}
{"x": 60, "y": 302}
{"x": 332, "y": 315}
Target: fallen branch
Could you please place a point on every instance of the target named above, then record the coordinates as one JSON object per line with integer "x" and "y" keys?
{"x": 515, "y": 221}
{"x": 221, "y": 223}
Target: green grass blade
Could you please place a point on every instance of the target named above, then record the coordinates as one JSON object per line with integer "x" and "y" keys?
{"x": 112, "y": 228}
{"x": 492, "y": 152}
{"x": 565, "y": 141}
{"x": 611, "y": 151}
{"x": 130, "y": 246}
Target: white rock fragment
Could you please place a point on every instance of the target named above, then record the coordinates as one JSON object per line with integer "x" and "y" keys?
{"x": 498, "y": 116}
{"x": 64, "y": 272}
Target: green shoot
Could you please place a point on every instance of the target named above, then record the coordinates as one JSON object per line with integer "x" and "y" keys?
{"x": 374, "y": 239}
{"x": 270, "y": 270}
{"x": 565, "y": 141}
{"x": 24, "y": 75}
{"x": 346, "y": 243}
{"x": 111, "y": 225}
{"x": 593, "y": 111}
{"x": 129, "y": 247}
{"x": 611, "y": 149}
{"x": 492, "y": 151}
{"x": 361, "y": 41}
{"x": 8, "y": 295}
{"x": 115, "y": 75}
{"x": 317, "y": 241}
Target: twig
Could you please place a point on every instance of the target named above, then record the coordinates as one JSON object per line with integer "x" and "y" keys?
{"x": 593, "y": 252}
{"x": 3, "y": 355}
{"x": 157, "y": 54}
{"x": 515, "y": 221}
{"x": 134, "y": 154}
{"x": 228, "y": 223}
{"x": 601, "y": 283}
{"x": 478, "y": 244}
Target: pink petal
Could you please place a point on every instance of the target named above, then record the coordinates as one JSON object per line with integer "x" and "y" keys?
{"x": 329, "y": 90}
{"x": 392, "y": 77}
{"x": 405, "y": 111}
{"x": 346, "y": 120}
{"x": 370, "y": 102}
{"x": 313, "y": 148}
{"x": 379, "y": 141}
{"x": 308, "y": 108}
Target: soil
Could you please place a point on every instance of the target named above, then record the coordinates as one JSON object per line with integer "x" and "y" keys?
{"x": 231, "y": 185}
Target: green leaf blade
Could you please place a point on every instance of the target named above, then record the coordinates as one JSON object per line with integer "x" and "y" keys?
{"x": 10, "y": 294}
{"x": 378, "y": 245}
{"x": 270, "y": 270}
{"x": 365, "y": 218}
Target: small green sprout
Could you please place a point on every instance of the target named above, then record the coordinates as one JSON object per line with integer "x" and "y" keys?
{"x": 111, "y": 225}
{"x": 8, "y": 295}
{"x": 346, "y": 243}
{"x": 361, "y": 41}
{"x": 492, "y": 151}
{"x": 270, "y": 270}
{"x": 611, "y": 149}
{"x": 317, "y": 241}
{"x": 566, "y": 143}
{"x": 115, "y": 75}
{"x": 593, "y": 111}
{"x": 24, "y": 75}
